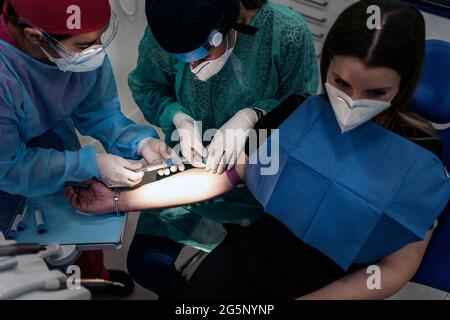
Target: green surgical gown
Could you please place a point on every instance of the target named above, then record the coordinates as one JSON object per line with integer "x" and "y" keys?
{"x": 263, "y": 70}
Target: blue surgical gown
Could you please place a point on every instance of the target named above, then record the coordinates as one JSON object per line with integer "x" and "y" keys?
{"x": 35, "y": 98}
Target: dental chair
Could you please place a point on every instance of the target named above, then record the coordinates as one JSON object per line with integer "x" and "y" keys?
{"x": 432, "y": 100}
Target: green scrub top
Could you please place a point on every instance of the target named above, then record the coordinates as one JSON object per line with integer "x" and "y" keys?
{"x": 264, "y": 69}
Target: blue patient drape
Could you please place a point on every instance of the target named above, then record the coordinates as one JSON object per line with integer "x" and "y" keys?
{"x": 356, "y": 197}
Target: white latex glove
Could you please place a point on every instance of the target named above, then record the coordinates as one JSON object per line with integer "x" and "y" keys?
{"x": 229, "y": 141}
{"x": 155, "y": 151}
{"x": 118, "y": 172}
{"x": 190, "y": 140}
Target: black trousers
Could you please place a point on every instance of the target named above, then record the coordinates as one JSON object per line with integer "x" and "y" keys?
{"x": 262, "y": 261}
{"x": 221, "y": 276}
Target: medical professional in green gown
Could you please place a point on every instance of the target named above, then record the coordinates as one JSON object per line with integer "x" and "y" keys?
{"x": 211, "y": 64}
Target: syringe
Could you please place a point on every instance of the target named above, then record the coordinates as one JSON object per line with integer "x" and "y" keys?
{"x": 159, "y": 166}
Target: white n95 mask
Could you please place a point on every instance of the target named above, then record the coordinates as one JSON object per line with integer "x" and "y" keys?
{"x": 88, "y": 60}
{"x": 207, "y": 69}
{"x": 352, "y": 113}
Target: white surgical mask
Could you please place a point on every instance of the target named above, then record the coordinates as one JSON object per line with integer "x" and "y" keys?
{"x": 207, "y": 69}
{"x": 352, "y": 113}
{"x": 88, "y": 60}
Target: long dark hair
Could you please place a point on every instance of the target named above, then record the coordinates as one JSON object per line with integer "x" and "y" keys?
{"x": 399, "y": 45}
{"x": 253, "y": 4}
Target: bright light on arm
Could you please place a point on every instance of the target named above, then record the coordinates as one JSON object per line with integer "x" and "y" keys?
{"x": 185, "y": 188}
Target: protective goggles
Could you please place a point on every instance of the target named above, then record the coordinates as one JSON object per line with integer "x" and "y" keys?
{"x": 66, "y": 53}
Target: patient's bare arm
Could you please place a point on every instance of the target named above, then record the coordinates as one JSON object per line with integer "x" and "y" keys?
{"x": 395, "y": 271}
{"x": 185, "y": 188}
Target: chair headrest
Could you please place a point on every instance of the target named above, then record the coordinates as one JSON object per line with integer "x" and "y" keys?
{"x": 432, "y": 96}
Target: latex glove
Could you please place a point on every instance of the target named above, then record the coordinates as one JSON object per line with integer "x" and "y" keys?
{"x": 229, "y": 141}
{"x": 155, "y": 151}
{"x": 118, "y": 172}
{"x": 190, "y": 140}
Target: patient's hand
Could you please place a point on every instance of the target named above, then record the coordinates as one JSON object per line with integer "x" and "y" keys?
{"x": 97, "y": 198}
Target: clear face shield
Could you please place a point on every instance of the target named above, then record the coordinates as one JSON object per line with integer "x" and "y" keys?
{"x": 69, "y": 59}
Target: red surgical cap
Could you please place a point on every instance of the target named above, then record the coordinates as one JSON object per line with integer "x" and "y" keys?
{"x": 64, "y": 17}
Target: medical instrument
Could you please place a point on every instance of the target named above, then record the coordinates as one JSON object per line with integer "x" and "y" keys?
{"x": 89, "y": 284}
{"x": 40, "y": 223}
{"x": 20, "y": 249}
{"x": 10, "y": 206}
{"x": 70, "y": 229}
{"x": 8, "y": 264}
{"x": 22, "y": 222}
{"x": 99, "y": 284}
{"x": 12, "y": 233}
{"x": 53, "y": 250}
{"x": 156, "y": 167}
{"x": 27, "y": 277}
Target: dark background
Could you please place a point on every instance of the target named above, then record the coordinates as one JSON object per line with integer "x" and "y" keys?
{"x": 438, "y": 7}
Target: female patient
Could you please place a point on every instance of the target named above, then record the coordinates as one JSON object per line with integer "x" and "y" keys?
{"x": 378, "y": 69}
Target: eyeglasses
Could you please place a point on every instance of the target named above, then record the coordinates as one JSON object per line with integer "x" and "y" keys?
{"x": 105, "y": 40}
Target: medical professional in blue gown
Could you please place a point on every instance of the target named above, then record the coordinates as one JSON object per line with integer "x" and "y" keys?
{"x": 55, "y": 77}
{"x": 360, "y": 181}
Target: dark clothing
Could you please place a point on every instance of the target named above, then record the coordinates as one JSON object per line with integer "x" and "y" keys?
{"x": 262, "y": 261}
{"x": 151, "y": 263}
{"x": 266, "y": 260}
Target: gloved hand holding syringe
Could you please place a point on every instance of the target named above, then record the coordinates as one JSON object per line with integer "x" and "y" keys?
{"x": 155, "y": 167}
{"x": 163, "y": 165}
